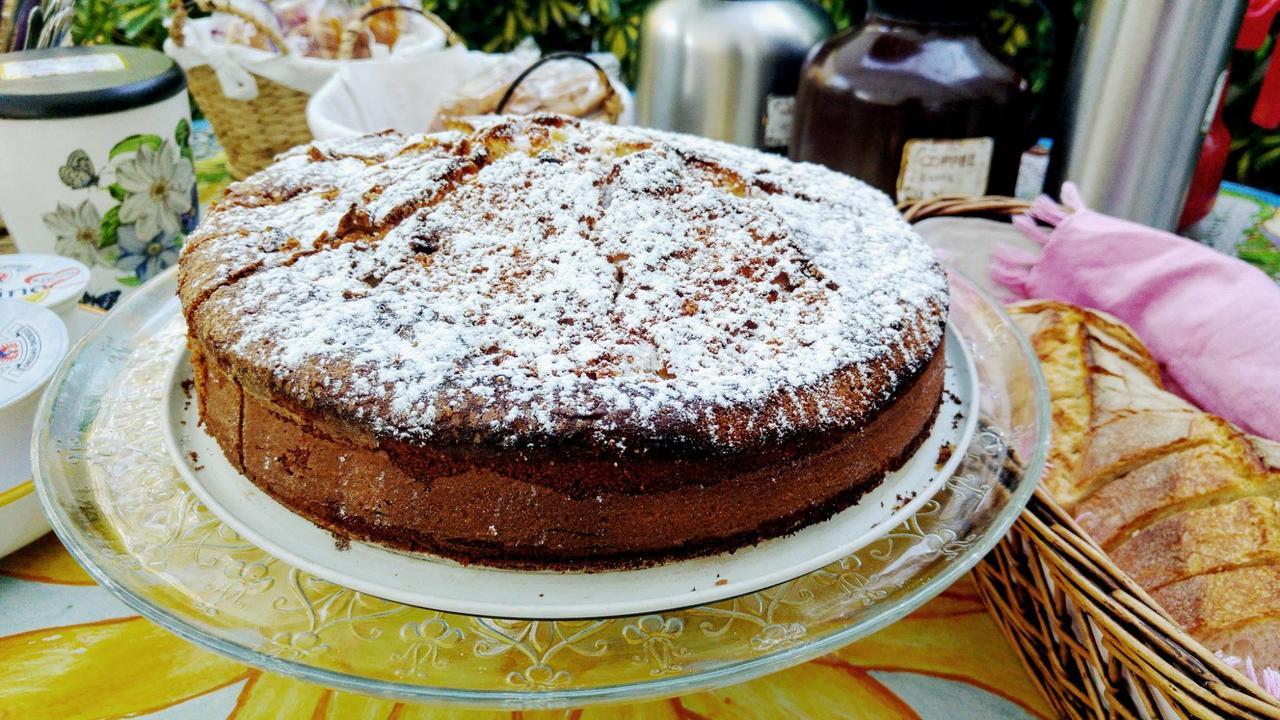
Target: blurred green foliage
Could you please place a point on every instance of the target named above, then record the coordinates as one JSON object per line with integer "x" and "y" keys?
{"x": 1023, "y": 32}
{"x": 123, "y": 22}
{"x": 1255, "y": 151}
{"x": 1019, "y": 29}
{"x": 1258, "y": 249}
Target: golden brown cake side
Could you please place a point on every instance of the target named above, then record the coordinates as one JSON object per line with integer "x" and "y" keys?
{"x": 472, "y": 513}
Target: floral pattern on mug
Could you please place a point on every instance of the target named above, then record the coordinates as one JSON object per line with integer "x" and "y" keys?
{"x": 158, "y": 182}
{"x": 77, "y": 231}
{"x": 144, "y": 258}
{"x": 152, "y": 179}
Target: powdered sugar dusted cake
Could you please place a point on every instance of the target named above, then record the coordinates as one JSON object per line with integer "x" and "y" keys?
{"x": 542, "y": 342}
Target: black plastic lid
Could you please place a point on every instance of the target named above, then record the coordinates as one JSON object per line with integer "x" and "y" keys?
{"x": 76, "y": 81}
{"x": 947, "y": 12}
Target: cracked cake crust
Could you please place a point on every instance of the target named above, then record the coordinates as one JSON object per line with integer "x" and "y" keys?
{"x": 559, "y": 327}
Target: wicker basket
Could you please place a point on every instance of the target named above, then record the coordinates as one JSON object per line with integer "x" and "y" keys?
{"x": 1093, "y": 642}
{"x": 253, "y": 132}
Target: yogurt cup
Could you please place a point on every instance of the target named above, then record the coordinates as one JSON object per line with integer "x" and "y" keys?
{"x": 33, "y": 340}
{"x": 54, "y": 281}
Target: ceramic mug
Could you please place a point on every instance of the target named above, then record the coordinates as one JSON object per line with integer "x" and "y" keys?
{"x": 115, "y": 190}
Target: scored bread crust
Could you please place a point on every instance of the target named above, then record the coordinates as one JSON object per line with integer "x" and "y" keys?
{"x": 1182, "y": 501}
{"x": 523, "y": 341}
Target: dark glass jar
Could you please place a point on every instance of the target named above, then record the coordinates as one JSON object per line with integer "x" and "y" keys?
{"x": 913, "y": 103}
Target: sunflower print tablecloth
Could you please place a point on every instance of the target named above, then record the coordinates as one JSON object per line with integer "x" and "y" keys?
{"x": 70, "y": 650}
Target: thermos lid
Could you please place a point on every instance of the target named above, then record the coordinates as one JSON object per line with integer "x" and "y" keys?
{"x": 33, "y": 341}
{"x": 931, "y": 11}
{"x": 76, "y": 81}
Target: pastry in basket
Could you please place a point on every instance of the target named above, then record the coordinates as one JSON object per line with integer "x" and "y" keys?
{"x": 313, "y": 28}
{"x": 1181, "y": 500}
{"x": 569, "y": 86}
{"x": 545, "y": 342}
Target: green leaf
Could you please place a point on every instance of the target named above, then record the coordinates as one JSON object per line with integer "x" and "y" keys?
{"x": 129, "y": 280}
{"x": 210, "y": 177}
{"x": 1243, "y": 163}
{"x": 140, "y": 18}
{"x": 117, "y": 192}
{"x": 182, "y": 135}
{"x": 1267, "y": 158}
{"x": 1260, "y": 252}
{"x": 133, "y": 142}
{"x": 109, "y": 227}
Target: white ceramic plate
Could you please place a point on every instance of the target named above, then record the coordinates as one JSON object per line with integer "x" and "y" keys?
{"x": 440, "y": 584}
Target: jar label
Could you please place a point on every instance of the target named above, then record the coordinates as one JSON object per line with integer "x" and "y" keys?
{"x": 32, "y": 343}
{"x": 74, "y": 65}
{"x": 19, "y": 349}
{"x": 931, "y": 168}
{"x": 49, "y": 280}
{"x": 778, "y": 113}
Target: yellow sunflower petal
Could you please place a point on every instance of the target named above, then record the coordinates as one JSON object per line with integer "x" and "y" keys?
{"x": 105, "y": 669}
{"x": 653, "y": 710}
{"x": 809, "y": 690}
{"x": 268, "y": 696}
{"x": 968, "y": 648}
{"x": 959, "y": 599}
{"x": 427, "y": 712}
{"x": 45, "y": 560}
{"x": 349, "y": 706}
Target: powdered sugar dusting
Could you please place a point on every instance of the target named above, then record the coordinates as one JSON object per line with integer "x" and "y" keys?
{"x": 541, "y": 273}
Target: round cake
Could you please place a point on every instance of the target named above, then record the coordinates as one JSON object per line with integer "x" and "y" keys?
{"x": 540, "y": 342}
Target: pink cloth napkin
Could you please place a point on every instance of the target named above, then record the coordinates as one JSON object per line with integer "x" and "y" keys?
{"x": 1211, "y": 321}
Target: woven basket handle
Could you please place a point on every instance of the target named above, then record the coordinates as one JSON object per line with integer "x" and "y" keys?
{"x": 612, "y": 103}
{"x": 359, "y": 24}
{"x": 959, "y": 205}
{"x": 181, "y": 8}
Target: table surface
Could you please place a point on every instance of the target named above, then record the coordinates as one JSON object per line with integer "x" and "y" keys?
{"x": 69, "y": 649}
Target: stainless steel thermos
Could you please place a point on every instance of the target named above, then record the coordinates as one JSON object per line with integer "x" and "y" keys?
{"x": 1143, "y": 85}
{"x": 726, "y": 69}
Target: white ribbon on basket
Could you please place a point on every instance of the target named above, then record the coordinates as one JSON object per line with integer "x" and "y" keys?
{"x": 405, "y": 93}
{"x": 200, "y": 49}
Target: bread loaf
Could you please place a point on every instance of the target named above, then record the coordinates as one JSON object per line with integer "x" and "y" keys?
{"x": 1183, "y": 501}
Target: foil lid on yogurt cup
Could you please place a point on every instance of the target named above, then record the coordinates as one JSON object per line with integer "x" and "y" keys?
{"x": 33, "y": 340}
{"x": 51, "y": 280}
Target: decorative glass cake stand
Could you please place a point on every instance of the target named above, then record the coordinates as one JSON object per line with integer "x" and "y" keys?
{"x": 115, "y": 499}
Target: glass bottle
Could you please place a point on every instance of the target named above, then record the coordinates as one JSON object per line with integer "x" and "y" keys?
{"x": 913, "y": 103}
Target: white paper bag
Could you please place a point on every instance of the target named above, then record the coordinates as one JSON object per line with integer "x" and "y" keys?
{"x": 401, "y": 92}
{"x": 405, "y": 95}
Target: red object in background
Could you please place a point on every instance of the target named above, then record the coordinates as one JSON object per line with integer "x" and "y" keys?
{"x": 1253, "y": 33}
{"x": 1254, "y": 30}
{"x": 1209, "y": 170}
{"x": 1256, "y": 24}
